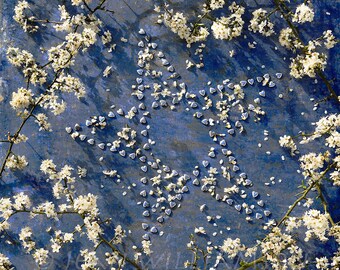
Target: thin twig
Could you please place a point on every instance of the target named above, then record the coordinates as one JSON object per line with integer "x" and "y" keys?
{"x": 119, "y": 252}
{"x": 291, "y": 208}
{"x": 285, "y": 11}
{"x": 324, "y": 204}
{"x": 11, "y": 143}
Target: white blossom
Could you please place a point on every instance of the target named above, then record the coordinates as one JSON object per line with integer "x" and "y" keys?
{"x": 21, "y": 201}
{"x": 20, "y": 138}
{"x": 86, "y": 204}
{"x": 311, "y": 162}
{"x": 48, "y": 167}
{"x": 106, "y": 37}
{"x": 261, "y": 23}
{"x": 303, "y": 14}
{"x": 40, "y": 256}
{"x": 292, "y": 223}
{"x": 41, "y": 119}
{"x": 69, "y": 84}
{"x": 90, "y": 259}
{"x": 25, "y": 237}
{"x": 322, "y": 263}
{"x": 308, "y": 65}
{"x": 15, "y": 162}
{"x": 288, "y": 39}
{"x": 232, "y": 247}
{"x": 146, "y": 247}
{"x": 93, "y": 229}
{"x": 21, "y": 99}
{"x": 24, "y": 20}
{"x": 329, "y": 39}
{"x": 47, "y": 208}
{"x": 288, "y": 142}
{"x": 5, "y": 263}
{"x": 317, "y": 224}
{"x": 111, "y": 258}
{"x": 229, "y": 27}
{"x": 25, "y": 60}
{"x": 216, "y": 4}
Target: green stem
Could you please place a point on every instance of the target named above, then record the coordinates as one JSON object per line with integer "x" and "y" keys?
{"x": 324, "y": 204}
{"x": 272, "y": 12}
{"x": 328, "y": 85}
{"x": 99, "y": 6}
{"x": 114, "y": 249}
{"x": 46, "y": 21}
{"x": 304, "y": 194}
{"x": 252, "y": 263}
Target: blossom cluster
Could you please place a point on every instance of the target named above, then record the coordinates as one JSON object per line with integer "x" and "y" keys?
{"x": 16, "y": 162}
{"x": 222, "y": 28}
{"x": 216, "y": 4}
{"x": 288, "y": 142}
{"x": 303, "y": 13}
{"x": 178, "y": 24}
{"x": 316, "y": 223}
{"x": 21, "y": 16}
{"x": 25, "y": 61}
{"x": 232, "y": 247}
{"x": 277, "y": 243}
{"x": 229, "y": 27}
{"x": 311, "y": 163}
{"x": 261, "y": 23}
{"x": 308, "y": 63}
{"x": 289, "y": 40}
{"x": 5, "y": 263}
{"x": 327, "y": 127}
{"x": 21, "y": 99}
{"x": 66, "y": 202}
{"x": 81, "y": 33}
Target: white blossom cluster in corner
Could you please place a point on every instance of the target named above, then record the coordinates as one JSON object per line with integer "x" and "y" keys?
{"x": 314, "y": 165}
{"x": 283, "y": 237}
{"x": 21, "y": 16}
{"x": 308, "y": 62}
{"x": 5, "y": 263}
{"x": 46, "y": 83}
{"x": 328, "y": 128}
{"x": 65, "y": 203}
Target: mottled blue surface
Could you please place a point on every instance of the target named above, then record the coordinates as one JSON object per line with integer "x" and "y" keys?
{"x": 182, "y": 142}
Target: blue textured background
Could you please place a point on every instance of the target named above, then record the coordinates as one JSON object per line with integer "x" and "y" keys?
{"x": 182, "y": 142}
